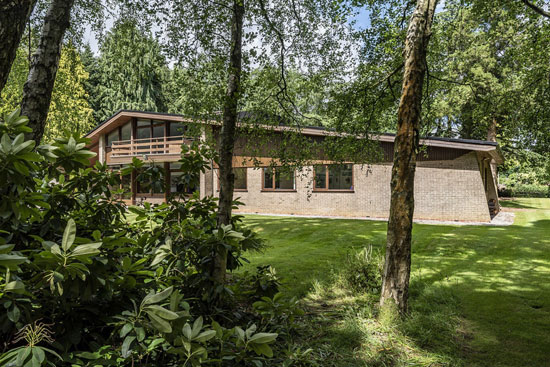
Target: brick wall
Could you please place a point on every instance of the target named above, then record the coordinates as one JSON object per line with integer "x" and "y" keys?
{"x": 444, "y": 190}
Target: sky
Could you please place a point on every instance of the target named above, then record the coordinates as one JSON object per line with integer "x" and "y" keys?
{"x": 362, "y": 21}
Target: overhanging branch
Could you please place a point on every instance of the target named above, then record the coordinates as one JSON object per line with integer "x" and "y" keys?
{"x": 537, "y": 9}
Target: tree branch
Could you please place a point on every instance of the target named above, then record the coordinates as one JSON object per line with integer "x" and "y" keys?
{"x": 537, "y": 9}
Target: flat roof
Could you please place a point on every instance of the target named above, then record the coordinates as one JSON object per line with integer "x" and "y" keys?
{"x": 122, "y": 116}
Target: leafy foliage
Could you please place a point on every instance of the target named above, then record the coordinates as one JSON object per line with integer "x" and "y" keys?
{"x": 131, "y": 72}
{"x": 86, "y": 286}
{"x": 69, "y": 108}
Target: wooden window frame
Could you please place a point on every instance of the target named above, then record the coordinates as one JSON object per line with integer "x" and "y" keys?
{"x": 151, "y": 194}
{"x": 327, "y": 171}
{"x": 274, "y": 189}
{"x": 169, "y": 182}
{"x": 234, "y": 189}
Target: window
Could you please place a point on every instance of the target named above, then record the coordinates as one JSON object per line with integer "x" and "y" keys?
{"x": 144, "y": 132}
{"x": 177, "y": 181}
{"x": 126, "y": 132}
{"x": 334, "y": 177}
{"x": 152, "y": 181}
{"x": 177, "y": 129}
{"x": 112, "y": 136}
{"x": 240, "y": 178}
{"x": 278, "y": 179}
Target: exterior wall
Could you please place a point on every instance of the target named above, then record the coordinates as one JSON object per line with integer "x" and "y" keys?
{"x": 444, "y": 190}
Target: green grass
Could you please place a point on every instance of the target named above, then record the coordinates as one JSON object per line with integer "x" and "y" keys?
{"x": 480, "y": 295}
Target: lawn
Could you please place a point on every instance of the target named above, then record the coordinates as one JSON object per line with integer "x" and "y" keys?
{"x": 480, "y": 295}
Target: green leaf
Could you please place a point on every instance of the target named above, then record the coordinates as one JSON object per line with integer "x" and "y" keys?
{"x": 262, "y": 338}
{"x": 55, "y": 249}
{"x": 11, "y": 260}
{"x": 156, "y": 298}
{"x": 15, "y": 286}
{"x": 88, "y": 249}
{"x": 263, "y": 349}
{"x": 88, "y": 355}
{"x": 125, "y": 330}
{"x": 69, "y": 235}
{"x": 205, "y": 336}
{"x": 126, "y": 346}
{"x": 240, "y": 333}
{"x": 187, "y": 332}
{"x": 197, "y": 326}
{"x": 39, "y": 353}
{"x": 14, "y": 313}
{"x": 22, "y": 356}
{"x": 4, "y": 249}
{"x": 161, "y": 312}
{"x": 140, "y": 333}
{"x": 160, "y": 324}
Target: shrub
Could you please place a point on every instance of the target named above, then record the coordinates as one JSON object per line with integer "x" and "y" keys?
{"x": 362, "y": 271}
{"x": 524, "y": 190}
{"x": 83, "y": 286}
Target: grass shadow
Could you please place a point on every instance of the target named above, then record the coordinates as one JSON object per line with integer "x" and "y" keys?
{"x": 480, "y": 295}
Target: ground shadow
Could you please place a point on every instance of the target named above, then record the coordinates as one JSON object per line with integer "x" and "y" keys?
{"x": 498, "y": 276}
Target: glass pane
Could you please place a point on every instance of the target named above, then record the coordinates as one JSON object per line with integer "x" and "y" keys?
{"x": 284, "y": 180}
{"x": 144, "y": 133}
{"x": 143, "y": 123}
{"x": 177, "y": 129}
{"x": 126, "y": 132}
{"x": 268, "y": 178}
{"x": 340, "y": 177}
{"x": 175, "y": 165}
{"x": 320, "y": 177}
{"x": 240, "y": 178}
{"x": 178, "y": 184}
{"x": 158, "y": 131}
{"x": 113, "y": 136}
{"x": 144, "y": 187}
{"x": 127, "y": 186}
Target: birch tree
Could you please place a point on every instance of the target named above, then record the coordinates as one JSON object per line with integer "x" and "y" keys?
{"x": 14, "y": 15}
{"x": 37, "y": 91}
{"x": 397, "y": 267}
{"x": 237, "y": 34}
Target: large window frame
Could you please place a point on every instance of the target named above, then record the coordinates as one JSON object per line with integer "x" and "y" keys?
{"x": 235, "y": 188}
{"x": 327, "y": 178}
{"x": 173, "y": 172}
{"x": 273, "y": 187}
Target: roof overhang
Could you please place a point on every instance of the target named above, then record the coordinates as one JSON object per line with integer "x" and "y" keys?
{"x": 121, "y": 117}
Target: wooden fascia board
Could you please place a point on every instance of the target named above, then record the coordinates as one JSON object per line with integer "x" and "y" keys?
{"x": 94, "y": 135}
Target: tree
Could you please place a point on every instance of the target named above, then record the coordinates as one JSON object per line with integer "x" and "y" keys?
{"x": 69, "y": 107}
{"x": 278, "y": 34}
{"x": 397, "y": 267}
{"x": 131, "y": 71}
{"x": 37, "y": 91}
{"x": 537, "y": 9}
{"x": 13, "y": 17}
{"x": 227, "y": 134}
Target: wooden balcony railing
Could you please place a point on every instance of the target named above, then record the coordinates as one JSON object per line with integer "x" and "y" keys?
{"x": 148, "y": 146}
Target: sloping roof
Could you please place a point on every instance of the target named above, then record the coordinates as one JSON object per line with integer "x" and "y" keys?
{"x": 122, "y": 116}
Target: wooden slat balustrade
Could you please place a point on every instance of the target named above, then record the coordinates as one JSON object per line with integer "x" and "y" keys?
{"x": 123, "y": 150}
{"x": 162, "y": 145}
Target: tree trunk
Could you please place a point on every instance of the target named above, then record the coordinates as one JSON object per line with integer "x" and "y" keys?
{"x": 14, "y": 14}
{"x": 37, "y": 91}
{"x": 492, "y": 130}
{"x": 227, "y": 135}
{"x": 492, "y": 136}
{"x": 397, "y": 268}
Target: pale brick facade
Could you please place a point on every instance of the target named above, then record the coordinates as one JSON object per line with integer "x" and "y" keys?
{"x": 454, "y": 181}
{"x": 449, "y": 190}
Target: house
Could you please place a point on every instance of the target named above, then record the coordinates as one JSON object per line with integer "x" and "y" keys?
{"x": 455, "y": 178}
